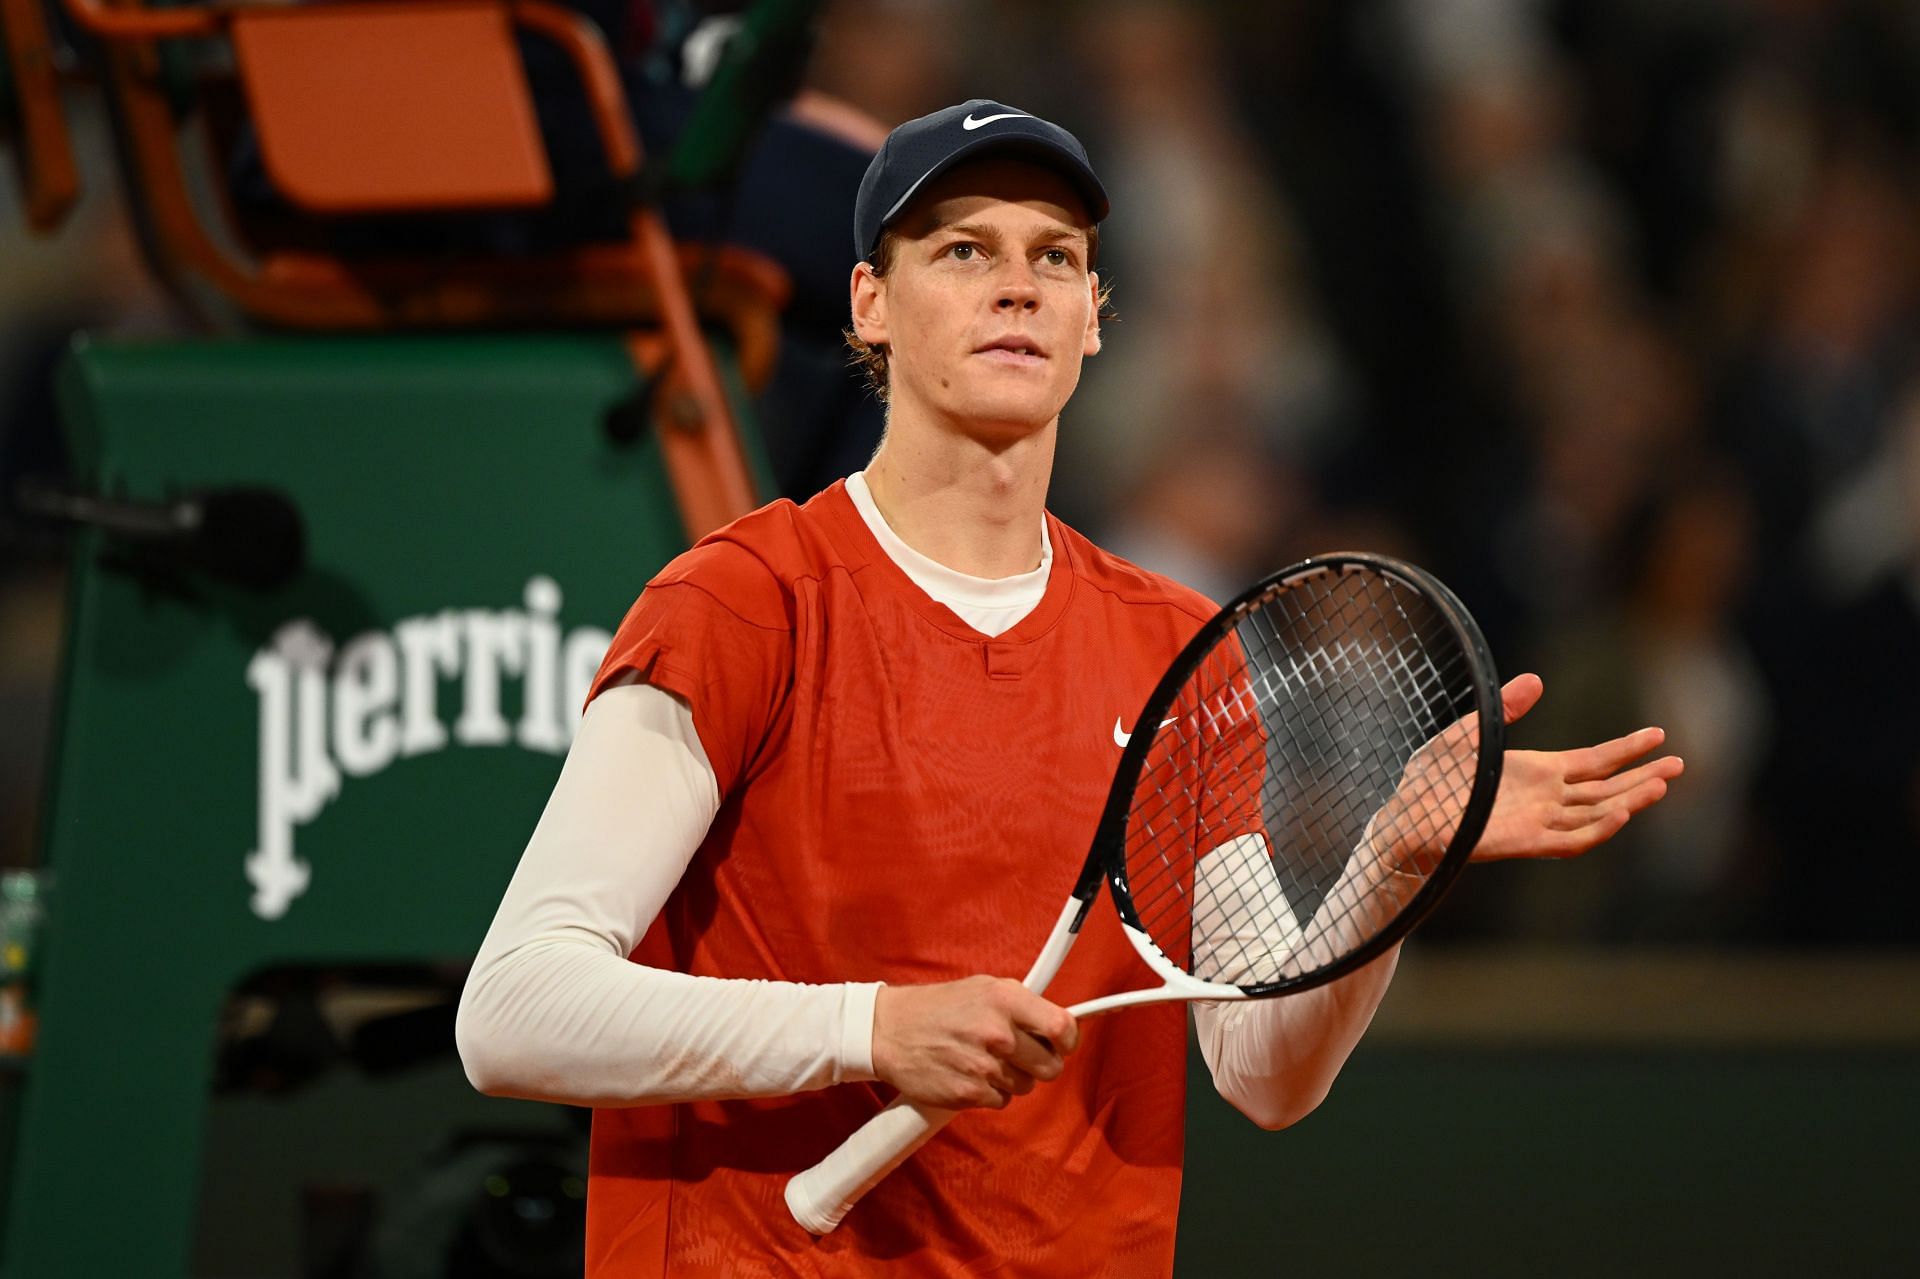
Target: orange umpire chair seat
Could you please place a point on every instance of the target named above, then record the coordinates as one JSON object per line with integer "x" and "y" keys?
{"x": 457, "y": 126}
{"x": 369, "y": 107}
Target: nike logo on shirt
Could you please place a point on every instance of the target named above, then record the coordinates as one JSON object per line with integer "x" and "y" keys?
{"x": 1121, "y": 737}
{"x": 971, "y": 124}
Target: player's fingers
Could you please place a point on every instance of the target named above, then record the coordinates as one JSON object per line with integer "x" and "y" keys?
{"x": 1517, "y": 697}
{"x": 1520, "y": 694}
{"x": 1044, "y": 1020}
{"x": 1666, "y": 768}
{"x": 1578, "y": 839}
{"x": 1580, "y": 817}
{"x": 987, "y": 1096}
{"x": 1643, "y": 796}
{"x": 1036, "y": 1057}
{"x": 1010, "y": 1080}
{"x": 1593, "y": 762}
{"x": 980, "y": 1079}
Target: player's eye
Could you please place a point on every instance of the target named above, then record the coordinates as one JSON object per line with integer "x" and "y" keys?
{"x": 963, "y": 252}
{"x": 1057, "y": 257}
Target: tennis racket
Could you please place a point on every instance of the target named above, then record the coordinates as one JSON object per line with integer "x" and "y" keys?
{"x": 1298, "y": 792}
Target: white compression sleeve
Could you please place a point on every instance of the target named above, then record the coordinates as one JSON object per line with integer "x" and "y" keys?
{"x": 1275, "y": 1059}
{"x": 553, "y": 1010}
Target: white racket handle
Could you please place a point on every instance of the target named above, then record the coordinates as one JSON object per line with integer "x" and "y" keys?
{"x": 820, "y": 1197}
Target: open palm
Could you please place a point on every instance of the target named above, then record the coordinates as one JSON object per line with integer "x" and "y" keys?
{"x": 1550, "y": 803}
{"x": 1562, "y": 803}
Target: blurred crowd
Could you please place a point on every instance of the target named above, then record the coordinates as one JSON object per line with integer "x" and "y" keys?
{"x": 1605, "y": 312}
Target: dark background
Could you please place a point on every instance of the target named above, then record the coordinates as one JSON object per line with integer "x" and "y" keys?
{"x": 1604, "y": 312}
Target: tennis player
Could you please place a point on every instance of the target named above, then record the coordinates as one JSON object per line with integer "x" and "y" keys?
{"x": 841, "y": 763}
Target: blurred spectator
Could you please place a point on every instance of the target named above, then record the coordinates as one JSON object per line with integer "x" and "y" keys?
{"x": 893, "y": 59}
{"x": 1695, "y": 873}
{"x": 1808, "y": 395}
{"x": 1605, "y": 312}
{"x": 1665, "y": 647}
{"x": 1209, "y": 509}
{"x": 1842, "y": 788}
{"x": 1217, "y": 324}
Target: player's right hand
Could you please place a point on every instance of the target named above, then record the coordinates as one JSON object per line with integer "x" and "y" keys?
{"x": 977, "y": 1042}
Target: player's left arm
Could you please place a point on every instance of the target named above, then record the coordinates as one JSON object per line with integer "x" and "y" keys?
{"x": 1275, "y": 1060}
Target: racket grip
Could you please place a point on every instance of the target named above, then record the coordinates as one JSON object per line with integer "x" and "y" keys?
{"x": 821, "y": 1196}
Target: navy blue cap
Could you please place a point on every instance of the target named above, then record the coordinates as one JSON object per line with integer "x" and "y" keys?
{"x": 921, "y": 150}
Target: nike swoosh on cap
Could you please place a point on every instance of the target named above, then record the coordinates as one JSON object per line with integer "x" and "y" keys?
{"x": 971, "y": 124}
{"x": 1121, "y": 737}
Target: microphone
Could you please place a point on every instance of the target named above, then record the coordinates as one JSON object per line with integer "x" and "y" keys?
{"x": 248, "y": 537}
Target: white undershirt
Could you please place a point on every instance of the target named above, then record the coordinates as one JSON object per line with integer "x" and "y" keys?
{"x": 553, "y": 1010}
{"x": 991, "y": 606}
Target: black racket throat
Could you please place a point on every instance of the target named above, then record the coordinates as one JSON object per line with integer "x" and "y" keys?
{"x": 1478, "y": 695}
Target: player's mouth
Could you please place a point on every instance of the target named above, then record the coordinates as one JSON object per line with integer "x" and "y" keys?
{"x": 1015, "y": 349}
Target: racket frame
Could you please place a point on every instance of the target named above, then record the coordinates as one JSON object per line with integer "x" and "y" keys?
{"x": 1109, "y": 852}
{"x": 820, "y": 1196}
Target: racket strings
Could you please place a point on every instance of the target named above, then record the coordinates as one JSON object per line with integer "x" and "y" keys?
{"x": 1242, "y": 909}
{"x": 1412, "y": 693}
{"x": 1225, "y": 780}
{"x": 1308, "y": 778}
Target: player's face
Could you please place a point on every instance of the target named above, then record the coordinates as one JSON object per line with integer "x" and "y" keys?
{"x": 988, "y": 307}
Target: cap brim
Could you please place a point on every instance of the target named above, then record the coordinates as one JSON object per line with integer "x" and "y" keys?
{"x": 1043, "y": 151}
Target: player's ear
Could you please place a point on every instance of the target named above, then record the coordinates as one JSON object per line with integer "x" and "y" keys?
{"x": 1092, "y": 344}
{"x": 868, "y": 295}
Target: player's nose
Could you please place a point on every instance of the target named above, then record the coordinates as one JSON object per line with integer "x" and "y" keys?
{"x": 1017, "y": 289}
